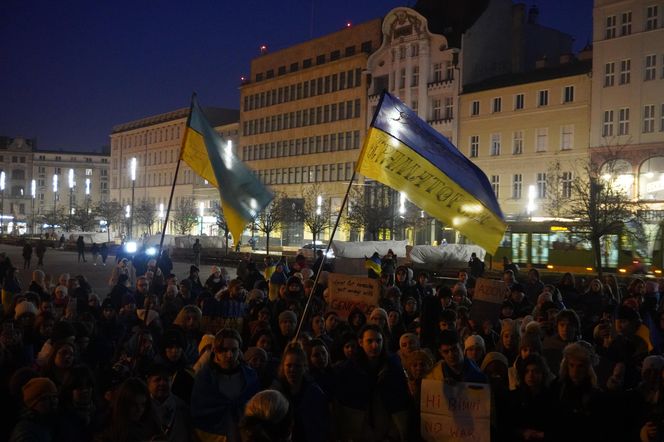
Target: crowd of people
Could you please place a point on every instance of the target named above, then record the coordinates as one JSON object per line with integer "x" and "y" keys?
{"x": 189, "y": 357}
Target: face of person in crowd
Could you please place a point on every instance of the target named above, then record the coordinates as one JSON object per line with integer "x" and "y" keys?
{"x": 108, "y": 313}
{"x": 566, "y": 330}
{"x": 417, "y": 369}
{"x": 264, "y": 315}
{"x": 372, "y": 343}
{"x": 422, "y": 279}
{"x": 287, "y": 327}
{"x": 257, "y": 362}
{"x": 595, "y": 285}
{"x": 533, "y": 376}
{"x": 506, "y": 338}
{"x": 293, "y": 288}
{"x": 623, "y": 326}
{"x": 159, "y": 386}
{"x": 294, "y": 368}
{"x": 457, "y": 296}
{"x": 137, "y": 408}
{"x": 318, "y": 325}
{"x": 173, "y": 353}
{"x": 82, "y": 395}
{"x": 452, "y": 355}
{"x": 410, "y": 306}
{"x": 508, "y": 278}
{"x": 476, "y": 353}
{"x": 46, "y": 306}
{"x": 350, "y": 349}
{"x": 445, "y": 325}
{"x": 463, "y": 277}
{"x": 393, "y": 318}
{"x": 226, "y": 355}
{"x": 64, "y": 358}
{"x": 145, "y": 343}
{"x": 401, "y": 276}
{"x": 408, "y": 344}
{"x": 184, "y": 291}
{"x": 47, "y": 405}
{"x": 60, "y": 293}
{"x": 331, "y": 322}
{"x": 377, "y": 319}
{"x": 319, "y": 357}
{"x": 524, "y": 352}
{"x": 191, "y": 322}
{"x": 577, "y": 369}
{"x": 445, "y": 301}
{"x": 63, "y": 279}
{"x": 533, "y": 276}
{"x": 517, "y": 296}
{"x": 142, "y": 286}
{"x": 264, "y": 342}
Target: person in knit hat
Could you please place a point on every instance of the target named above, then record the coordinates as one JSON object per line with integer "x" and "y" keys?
{"x": 474, "y": 348}
{"x": 287, "y": 327}
{"x": 40, "y": 399}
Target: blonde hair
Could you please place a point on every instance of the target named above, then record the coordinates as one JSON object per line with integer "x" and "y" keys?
{"x": 267, "y": 405}
{"x": 186, "y": 310}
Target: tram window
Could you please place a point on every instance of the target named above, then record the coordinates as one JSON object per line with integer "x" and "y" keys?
{"x": 540, "y": 248}
{"x": 520, "y": 248}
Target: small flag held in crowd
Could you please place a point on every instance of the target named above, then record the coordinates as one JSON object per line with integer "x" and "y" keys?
{"x": 373, "y": 263}
{"x": 405, "y": 153}
{"x": 243, "y": 196}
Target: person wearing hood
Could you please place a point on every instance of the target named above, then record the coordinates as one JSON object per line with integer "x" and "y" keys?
{"x": 278, "y": 278}
{"x": 215, "y": 281}
{"x": 40, "y": 405}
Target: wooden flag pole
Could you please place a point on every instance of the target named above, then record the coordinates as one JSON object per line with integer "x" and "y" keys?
{"x": 175, "y": 179}
{"x": 320, "y": 268}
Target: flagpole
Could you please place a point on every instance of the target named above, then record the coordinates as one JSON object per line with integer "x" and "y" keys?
{"x": 320, "y": 268}
{"x": 175, "y": 179}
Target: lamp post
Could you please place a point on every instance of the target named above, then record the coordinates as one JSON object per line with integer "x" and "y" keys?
{"x": 87, "y": 195}
{"x": 71, "y": 183}
{"x": 161, "y": 216}
{"x": 55, "y": 200}
{"x": 128, "y": 216}
{"x": 2, "y": 202}
{"x": 132, "y": 169}
{"x": 201, "y": 212}
{"x": 33, "y": 192}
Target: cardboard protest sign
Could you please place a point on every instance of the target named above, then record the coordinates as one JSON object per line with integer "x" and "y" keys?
{"x": 349, "y": 292}
{"x": 487, "y": 299}
{"x": 459, "y": 412}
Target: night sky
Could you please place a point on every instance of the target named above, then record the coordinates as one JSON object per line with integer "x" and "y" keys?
{"x": 71, "y": 70}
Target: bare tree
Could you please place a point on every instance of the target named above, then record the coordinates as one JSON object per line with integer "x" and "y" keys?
{"x": 84, "y": 219}
{"x": 111, "y": 212}
{"x": 53, "y": 218}
{"x": 271, "y": 218}
{"x": 185, "y": 216}
{"x": 370, "y": 210}
{"x": 316, "y": 212}
{"x": 594, "y": 202}
{"x": 145, "y": 214}
{"x": 223, "y": 225}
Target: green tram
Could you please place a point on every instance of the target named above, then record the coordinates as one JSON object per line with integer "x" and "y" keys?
{"x": 550, "y": 245}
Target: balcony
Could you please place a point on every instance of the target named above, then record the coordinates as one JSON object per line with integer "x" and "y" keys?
{"x": 447, "y": 83}
{"x": 442, "y": 124}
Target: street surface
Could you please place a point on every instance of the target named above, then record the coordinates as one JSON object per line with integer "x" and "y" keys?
{"x": 64, "y": 261}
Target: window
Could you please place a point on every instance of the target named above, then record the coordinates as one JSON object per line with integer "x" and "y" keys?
{"x": 566, "y": 137}
{"x": 517, "y": 183}
{"x": 402, "y": 78}
{"x": 541, "y": 185}
{"x": 543, "y": 98}
{"x": 414, "y": 50}
{"x": 306, "y": 63}
{"x": 413, "y": 106}
{"x": 495, "y": 144}
{"x": 320, "y": 59}
{"x": 609, "y": 74}
{"x": 436, "y": 109}
{"x": 661, "y": 124}
{"x": 541, "y": 139}
{"x": 402, "y": 52}
{"x": 415, "y": 78}
{"x": 650, "y": 71}
{"x": 475, "y": 107}
{"x": 566, "y": 182}
{"x": 648, "y": 118}
{"x": 88, "y": 172}
{"x": 497, "y": 104}
{"x": 623, "y": 121}
{"x": 517, "y": 142}
{"x": 495, "y": 185}
{"x": 437, "y": 72}
{"x": 626, "y": 23}
{"x": 625, "y": 71}
{"x": 474, "y": 146}
{"x": 335, "y": 55}
{"x": 568, "y": 94}
{"x": 610, "y": 31}
{"x": 41, "y": 169}
{"x": 449, "y": 108}
{"x": 518, "y": 101}
{"x": 366, "y": 47}
{"x": 607, "y": 124}
{"x": 651, "y": 17}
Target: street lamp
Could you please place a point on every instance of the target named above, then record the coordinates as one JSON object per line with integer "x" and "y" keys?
{"x": 2, "y": 202}
{"x": 201, "y": 212}
{"x": 161, "y": 216}
{"x": 87, "y": 195}
{"x": 132, "y": 170}
{"x": 33, "y": 192}
{"x": 72, "y": 183}
{"x": 55, "y": 200}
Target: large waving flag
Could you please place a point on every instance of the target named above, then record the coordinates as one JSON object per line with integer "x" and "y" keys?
{"x": 242, "y": 195}
{"x": 405, "y": 153}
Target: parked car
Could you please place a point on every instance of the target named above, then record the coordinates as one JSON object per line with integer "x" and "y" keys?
{"x": 308, "y": 250}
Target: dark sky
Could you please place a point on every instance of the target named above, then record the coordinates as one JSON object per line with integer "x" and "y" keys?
{"x": 70, "y": 70}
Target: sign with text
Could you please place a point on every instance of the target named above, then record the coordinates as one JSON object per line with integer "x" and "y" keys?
{"x": 459, "y": 412}
{"x": 350, "y": 292}
{"x": 490, "y": 290}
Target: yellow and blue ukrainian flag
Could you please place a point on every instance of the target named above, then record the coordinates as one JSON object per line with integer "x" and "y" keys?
{"x": 243, "y": 196}
{"x": 405, "y": 153}
{"x": 373, "y": 263}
